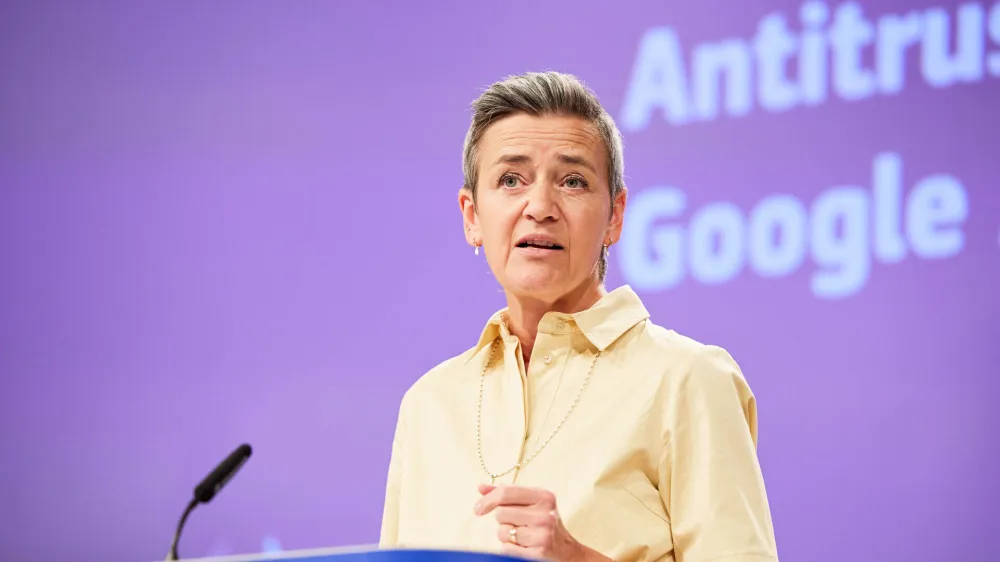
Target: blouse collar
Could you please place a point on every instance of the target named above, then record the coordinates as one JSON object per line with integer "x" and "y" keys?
{"x": 603, "y": 323}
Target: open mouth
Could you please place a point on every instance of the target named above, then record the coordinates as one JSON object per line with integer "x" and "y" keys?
{"x": 540, "y": 244}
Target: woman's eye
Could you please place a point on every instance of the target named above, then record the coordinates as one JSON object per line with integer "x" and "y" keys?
{"x": 508, "y": 181}
{"x": 575, "y": 183}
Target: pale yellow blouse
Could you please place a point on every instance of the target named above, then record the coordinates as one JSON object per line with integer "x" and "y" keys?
{"x": 657, "y": 462}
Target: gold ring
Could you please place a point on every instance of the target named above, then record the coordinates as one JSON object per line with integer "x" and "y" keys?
{"x": 513, "y": 534}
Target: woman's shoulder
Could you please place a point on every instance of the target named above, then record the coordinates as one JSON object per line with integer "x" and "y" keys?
{"x": 444, "y": 375}
{"x": 668, "y": 340}
{"x": 684, "y": 357}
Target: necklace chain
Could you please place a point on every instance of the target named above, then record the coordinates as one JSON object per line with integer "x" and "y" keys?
{"x": 479, "y": 418}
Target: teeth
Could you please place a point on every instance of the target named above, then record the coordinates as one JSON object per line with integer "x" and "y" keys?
{"x": 539, "y": 244}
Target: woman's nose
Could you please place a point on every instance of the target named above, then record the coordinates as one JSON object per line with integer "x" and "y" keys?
{"x": 542, "y": 203}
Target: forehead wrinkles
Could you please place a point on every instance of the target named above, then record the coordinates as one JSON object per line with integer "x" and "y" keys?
{"x": 568, "y": 135}
{"x": 564, "y": 136}
{"x": 532, "y": 139}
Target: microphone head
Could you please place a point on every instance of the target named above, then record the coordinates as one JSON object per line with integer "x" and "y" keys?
{"x": 206, "y": 490}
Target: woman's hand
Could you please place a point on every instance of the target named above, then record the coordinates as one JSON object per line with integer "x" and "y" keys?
{"x": 538, "y": 531}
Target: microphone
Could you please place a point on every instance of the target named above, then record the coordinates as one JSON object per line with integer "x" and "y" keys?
{"x": 209, "y": 487}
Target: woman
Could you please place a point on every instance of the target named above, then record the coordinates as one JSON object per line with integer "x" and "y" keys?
{"x": 575, "y": 428}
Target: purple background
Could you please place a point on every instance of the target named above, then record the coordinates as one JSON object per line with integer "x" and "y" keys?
{"x": 237, "y": 221}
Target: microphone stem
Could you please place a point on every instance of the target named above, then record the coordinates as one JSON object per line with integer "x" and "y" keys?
{"x": 180, "y": 527}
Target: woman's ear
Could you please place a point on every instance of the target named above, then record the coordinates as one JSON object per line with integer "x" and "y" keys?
{"x": 617, "y": 215}
{"x": 470, "y": 221}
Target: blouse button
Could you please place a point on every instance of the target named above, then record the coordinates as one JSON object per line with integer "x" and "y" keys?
{"x": 548, "y": 359}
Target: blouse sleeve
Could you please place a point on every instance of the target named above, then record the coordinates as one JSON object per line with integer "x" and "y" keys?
{"x": 389, "y": 536}
{"x": 711, "y": 481}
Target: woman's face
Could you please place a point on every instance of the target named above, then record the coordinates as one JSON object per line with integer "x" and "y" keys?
{"x": 543, "y": 209}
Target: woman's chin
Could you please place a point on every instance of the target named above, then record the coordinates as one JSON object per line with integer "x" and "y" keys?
{"x": 540, "y": 284}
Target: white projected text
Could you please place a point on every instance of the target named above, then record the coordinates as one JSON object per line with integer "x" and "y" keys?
{"x": 842, "y": 231}
{"x": 781, "y": 67}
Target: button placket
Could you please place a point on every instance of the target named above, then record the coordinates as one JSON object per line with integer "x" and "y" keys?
{"x": 546, "y": 382}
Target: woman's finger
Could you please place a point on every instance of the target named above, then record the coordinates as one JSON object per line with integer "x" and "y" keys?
{"x": 525, "y": 537}
{"x": 515, "y": 495}
{"x": 524, "y": 516}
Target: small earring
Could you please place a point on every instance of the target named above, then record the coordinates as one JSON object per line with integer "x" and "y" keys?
{"x": 477, "y": 249}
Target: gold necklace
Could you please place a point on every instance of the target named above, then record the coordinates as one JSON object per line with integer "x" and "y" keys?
{"x": 479, "y": 418}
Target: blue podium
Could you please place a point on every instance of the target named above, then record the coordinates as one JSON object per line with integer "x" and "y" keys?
{"x": 363, "y": 554}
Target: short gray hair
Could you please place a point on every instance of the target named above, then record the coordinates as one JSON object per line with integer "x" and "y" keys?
{"x": 543, "y": 93}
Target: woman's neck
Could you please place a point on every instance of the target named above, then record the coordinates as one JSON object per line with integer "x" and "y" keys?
{"x": 524, "y": 313}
